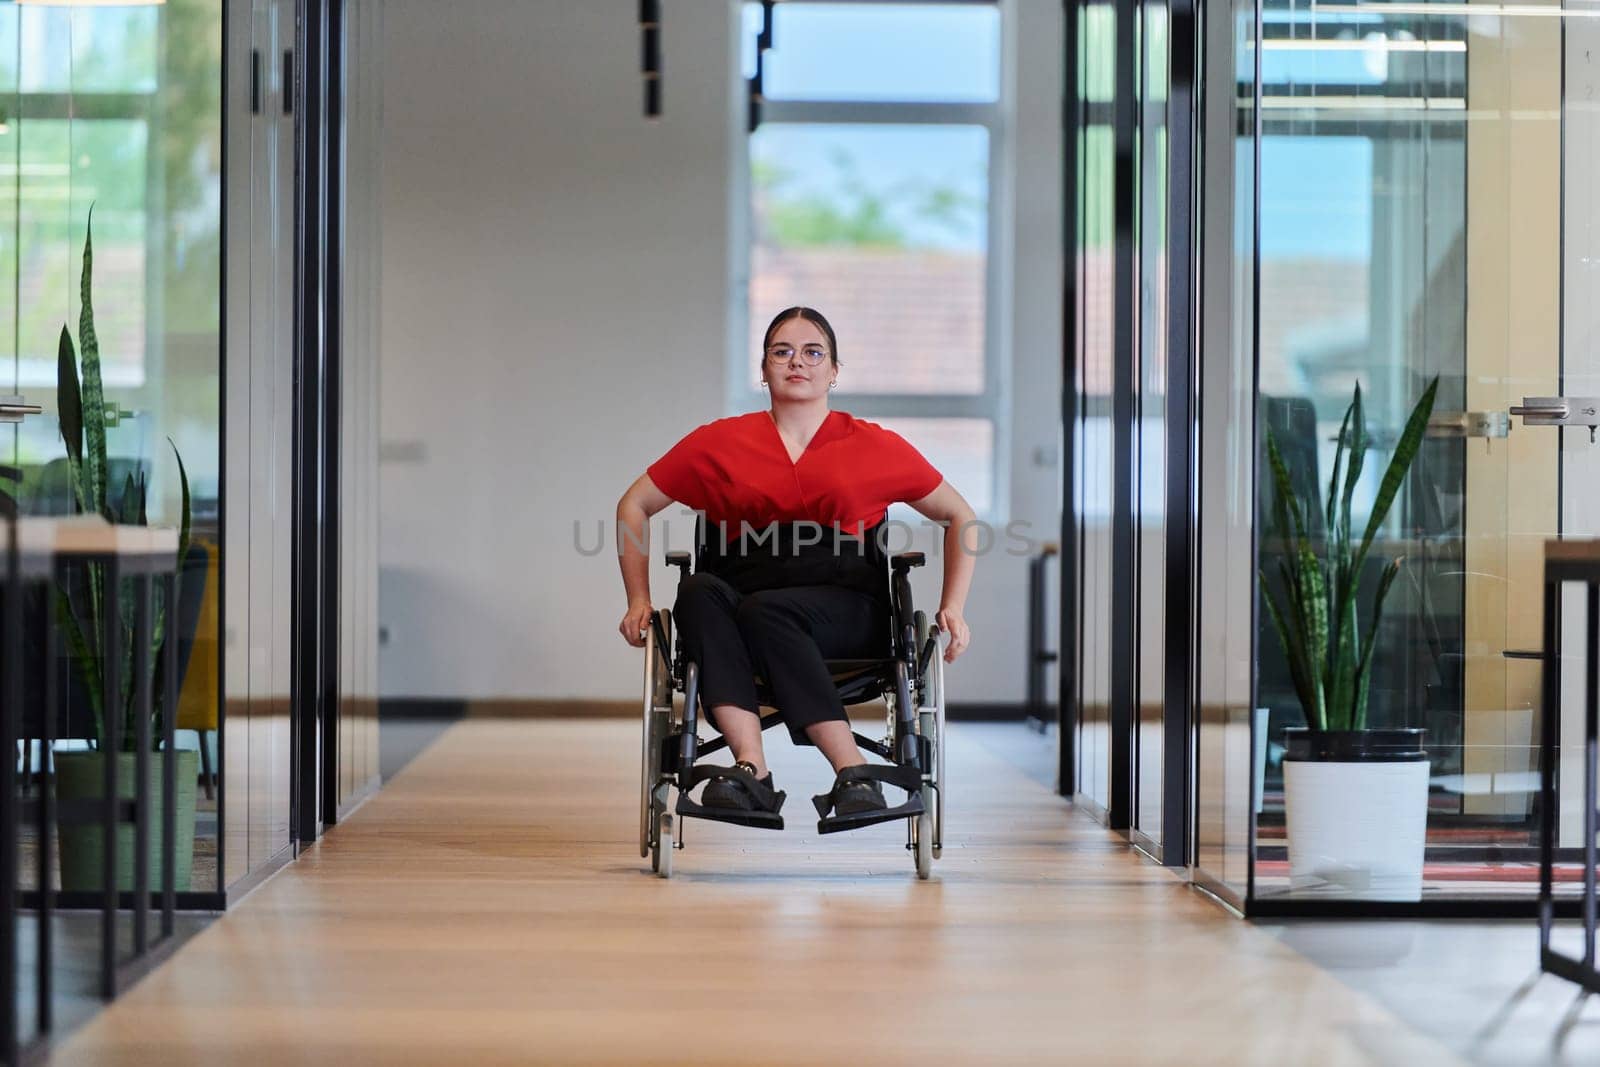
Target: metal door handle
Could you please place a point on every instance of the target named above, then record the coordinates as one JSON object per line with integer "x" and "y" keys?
{"x": 1470, "y": 424}
{"x": 14, "y": 408}
{"x": 1559, "y": 411}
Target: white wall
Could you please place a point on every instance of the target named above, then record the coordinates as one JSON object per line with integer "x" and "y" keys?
{"x": 555, "y": 316}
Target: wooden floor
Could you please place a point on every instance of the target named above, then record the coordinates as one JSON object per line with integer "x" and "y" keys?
{"x": 489, "y": 906}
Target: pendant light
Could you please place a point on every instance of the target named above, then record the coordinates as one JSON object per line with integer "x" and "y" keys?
{"x": 756, "y": 87}
{"x": 650, "y": 67}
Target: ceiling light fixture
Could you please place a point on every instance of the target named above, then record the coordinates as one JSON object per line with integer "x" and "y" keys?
{"x": 650, "y": 64}
{"x": 756, "y": 84}
{"x": 1340, "y": 44}
{"x": 1456, "y": 10}
{"x": 90, "y": 3}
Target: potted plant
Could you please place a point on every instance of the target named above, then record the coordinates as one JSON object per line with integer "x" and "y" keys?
{"x": 80, "y": 604}
{"x": 1356, "y": 798}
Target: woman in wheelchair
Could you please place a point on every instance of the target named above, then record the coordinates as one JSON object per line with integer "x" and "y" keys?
{"x": 778, "y": 601}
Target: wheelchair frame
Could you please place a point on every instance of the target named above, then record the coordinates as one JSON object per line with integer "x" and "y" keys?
{"x": 910, "y": 679}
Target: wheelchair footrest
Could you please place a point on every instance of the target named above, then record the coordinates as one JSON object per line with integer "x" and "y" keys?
{"x": 766, "y": 817}
{"x": 834, "y": 824}
{"x": 907, "y": 778}
{"x": 761, "y": 820}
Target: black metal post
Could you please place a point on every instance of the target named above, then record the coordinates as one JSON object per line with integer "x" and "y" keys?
{"x": 1591, "y": 696}
{"x": 111, "y": 746}
{"x": 1547, "y": 758}
{"x": 10, "y": 669}
{"x": 169, "y": 771}
{"x": 1182, "y": 514}
{"x": 47, "y": 801}
{"x": 1039, "y": 657}
{"x": 1067, "y": 641}
{"x": 141, "y": 761}
{"x": 1124, "y": 589}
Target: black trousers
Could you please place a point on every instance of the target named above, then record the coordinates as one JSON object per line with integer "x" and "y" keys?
{"x": 782, "y": 634}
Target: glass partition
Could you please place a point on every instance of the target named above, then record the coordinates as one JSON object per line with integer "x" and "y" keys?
{"x": 1224, "y": 649}
{"x": 359, "y": 290}
{"x": 1095, "y": 290}
{"x": 1150, "y": 425}
{"x": 113, "y": 114}
{"x": 1410, "y": 200}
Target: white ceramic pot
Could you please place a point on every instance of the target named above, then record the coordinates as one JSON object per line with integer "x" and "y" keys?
{"x": 1356, "y": 805}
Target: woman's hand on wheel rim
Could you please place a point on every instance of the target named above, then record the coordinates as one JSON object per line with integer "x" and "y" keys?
{"x": 951, "y": 622}
{"x": 634, "y": 622}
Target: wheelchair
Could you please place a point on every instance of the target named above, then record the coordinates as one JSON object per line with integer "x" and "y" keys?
{"x": 909, "y": 678}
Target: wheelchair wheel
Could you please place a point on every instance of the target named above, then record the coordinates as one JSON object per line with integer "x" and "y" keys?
{"x": 657, "y": 722}
{"x": 661, "y": 851}
{"x": 930, "y": 724}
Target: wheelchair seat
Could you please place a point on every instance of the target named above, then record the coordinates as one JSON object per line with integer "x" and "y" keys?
{"x": 857, "y": 680}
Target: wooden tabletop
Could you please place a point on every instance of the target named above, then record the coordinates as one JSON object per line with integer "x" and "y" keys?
{"x": 1573, "y": 550}
{"x": 42, "y": 539}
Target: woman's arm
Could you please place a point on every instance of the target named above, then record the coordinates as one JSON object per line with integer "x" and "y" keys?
{"x": 948, "y": 507}
{"x": 641, "y": 501}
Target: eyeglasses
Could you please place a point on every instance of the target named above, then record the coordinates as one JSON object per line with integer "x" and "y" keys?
{"x": 811, "y": 355}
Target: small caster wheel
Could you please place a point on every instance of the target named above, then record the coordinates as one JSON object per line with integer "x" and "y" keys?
{"x": 924, "y": 846}
{"x": 661, "y": 853}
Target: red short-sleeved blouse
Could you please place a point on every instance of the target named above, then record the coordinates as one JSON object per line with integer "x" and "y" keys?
{"x": 737, "y": 469}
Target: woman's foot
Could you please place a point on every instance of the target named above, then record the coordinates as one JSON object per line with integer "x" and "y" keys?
{"x": 853, "y": 795}
{"x": 728, "y": 791}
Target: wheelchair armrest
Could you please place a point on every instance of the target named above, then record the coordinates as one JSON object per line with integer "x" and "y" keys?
{"x": 906, "y": 560}
{"x": 681, "y": 561}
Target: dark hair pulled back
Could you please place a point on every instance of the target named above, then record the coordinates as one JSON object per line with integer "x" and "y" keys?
{"x": 811, "y": 315}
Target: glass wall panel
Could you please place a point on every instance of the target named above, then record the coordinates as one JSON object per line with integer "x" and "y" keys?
{"x": 96, "y": 117}
{"x": 260, "y": 433}
{"x": 1096, "y": 290}
{"x": 1226, "y": 464}
{"x": 1424, "y": 211}
{"x": 1150, "y": 442}
{"x": 115, "y": 114}
{"x": 361, "y": 200}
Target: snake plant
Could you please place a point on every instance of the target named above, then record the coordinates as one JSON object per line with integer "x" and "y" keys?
{"x": 1315, "y": 615}
{"x": 80, "y": 599}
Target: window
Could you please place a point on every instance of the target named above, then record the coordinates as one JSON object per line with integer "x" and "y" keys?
{"x": 83, "y": 85}
{"x": 869, "y": 181}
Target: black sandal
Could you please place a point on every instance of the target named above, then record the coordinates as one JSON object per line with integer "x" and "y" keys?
{"x": 741, "y": 790}
{"x": 853, "y": 795}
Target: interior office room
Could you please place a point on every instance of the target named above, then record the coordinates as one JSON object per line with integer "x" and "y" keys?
{"x": 1201, "y": 664}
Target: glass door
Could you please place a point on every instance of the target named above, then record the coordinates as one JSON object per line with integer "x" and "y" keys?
{"x": 1426, "y": 209}
{"x": 1152, "y": 239}
{"x": 1095, "y": 71}
{"x": 111, "y": 113}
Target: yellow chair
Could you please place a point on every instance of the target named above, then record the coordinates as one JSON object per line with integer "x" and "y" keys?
{"x": 198, "y": 697}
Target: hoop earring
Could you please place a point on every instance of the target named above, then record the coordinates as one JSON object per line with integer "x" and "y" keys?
{"x": 833, "y": 385}
{"x": 763, "y": 383}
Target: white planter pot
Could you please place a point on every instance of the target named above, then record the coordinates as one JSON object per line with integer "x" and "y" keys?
{"x": 1356, "y": 829}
